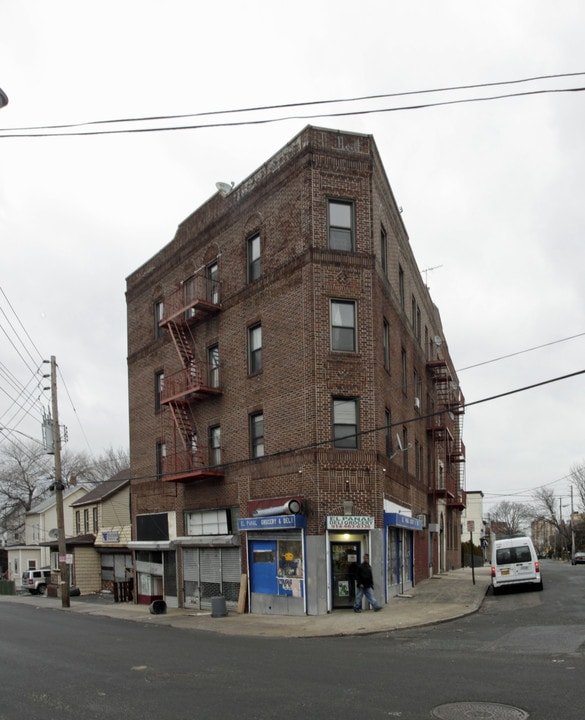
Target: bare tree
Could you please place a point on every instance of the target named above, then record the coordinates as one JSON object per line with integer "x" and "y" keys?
{"x": 548, "y": 507}
{"x": 577, "y": 473}
{"x": 512, "y": 518}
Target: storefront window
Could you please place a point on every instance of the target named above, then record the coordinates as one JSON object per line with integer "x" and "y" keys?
{"x": 290, "y": 562}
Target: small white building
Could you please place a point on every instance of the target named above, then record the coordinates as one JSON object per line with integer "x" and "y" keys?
{"x": 41, "y": 527}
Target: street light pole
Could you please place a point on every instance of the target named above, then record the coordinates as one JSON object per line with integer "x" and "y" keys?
{"x": 63, "y": 567}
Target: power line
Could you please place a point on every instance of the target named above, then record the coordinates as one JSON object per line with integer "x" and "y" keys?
{"x": 305, "y": 103}
{"x": 520, "y": 352}
{"x": 265, "y": 121}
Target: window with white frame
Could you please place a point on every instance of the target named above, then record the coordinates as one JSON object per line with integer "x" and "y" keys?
{"x": 341, "y": 226}
{"x": 213, "y": 365}
{"x": 254, "y": 257}
{"x": 255, "y": 349}
{"x": 345, "y": 422}
{"x": 215, "y": 445}
{"x": 343, "y": 325}
{"x": 257, "y": 435}
{"x": 207, "y": 522}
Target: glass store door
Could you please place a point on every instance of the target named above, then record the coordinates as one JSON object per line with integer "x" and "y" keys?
{"x": 345, "y": 556}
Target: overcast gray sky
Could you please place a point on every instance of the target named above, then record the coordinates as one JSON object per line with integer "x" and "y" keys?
{"x": 492, "y": 191}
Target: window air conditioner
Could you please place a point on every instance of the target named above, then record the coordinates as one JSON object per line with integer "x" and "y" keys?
{"x": 417, "y": 403}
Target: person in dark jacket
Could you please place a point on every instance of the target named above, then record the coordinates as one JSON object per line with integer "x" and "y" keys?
{"x": 364, "y": 585}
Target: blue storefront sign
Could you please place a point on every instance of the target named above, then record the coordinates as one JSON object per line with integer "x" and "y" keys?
{"x": 402, "y": 521}
{"x": 273, "y": 522}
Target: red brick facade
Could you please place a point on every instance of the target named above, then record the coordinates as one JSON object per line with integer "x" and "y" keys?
{"x": 286, "y": 201}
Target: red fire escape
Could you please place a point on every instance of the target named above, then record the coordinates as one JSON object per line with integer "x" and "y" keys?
{"x": 184, "y": 458}
{"x": 446, "y": 429}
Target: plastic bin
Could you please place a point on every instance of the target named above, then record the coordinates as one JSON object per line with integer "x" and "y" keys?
{"x": 218, "y": 607}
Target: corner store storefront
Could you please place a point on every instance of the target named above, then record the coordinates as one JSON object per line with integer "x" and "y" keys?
{"x": 292, "y": 574}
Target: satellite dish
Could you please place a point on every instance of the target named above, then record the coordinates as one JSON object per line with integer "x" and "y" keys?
{"x": 438, "y": 340}
{"x": 54, "y": 533}
{"x": 224, "y": 188}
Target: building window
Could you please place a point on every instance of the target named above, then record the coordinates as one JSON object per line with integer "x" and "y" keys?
{"x": 78, "y": 522}
{"x": 405, "y": 448}
{"x": 404, "y": 378}
{"x": 212, "y": 276}
{"x": 386, "y": 340}
{"x": 401, "y": 286}
{"x": 343, "y": 326}
{"x": 255, "y": 349}
{"x": 254, "y": 266}
{"x": 159, "y": 310}
{"x": 345, "y": 423}
{"x": 190, "y": 296}
{"x": 215, "y": 445}
{"x": 388, "y": 432}
{"x": 384, "y": 250}
{"x": 161, "y": 453}
{"x": 94, "y": 520}
{"x": 257, "y": 435}
{"x": 213, "y": 365}
{"x": 341, "y": 233}
{"x": 159, "y": 382}
{"x": 208, "y": 522}
{"x": 86, "y": 521}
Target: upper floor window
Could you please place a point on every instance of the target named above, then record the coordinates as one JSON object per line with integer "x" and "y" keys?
{"x": 343, "y": 325}
{"x": 341, "y": 226}
{"x": 78, "y": 522}
{"x": 386, "y": 345}
{"x": 161, "y": 453}
{"x": 159, "y": 310}
{"x": 401, "y": 286}
{"x": 159, "y": 382}
{"x": 254, "y": 265}
{"x": 213, "y": 365}
{"x": 212, "y": 276}
{"x": 388, "y": 432}
{"x": 95, "y": 519}
{"x": 257, "y": 435}
{"x": 404, "y": 376}
{"x": 86, "y": 521}
{"x": 255, "y": 349}
{"x": 345, "y": 423}
{"x": 384, "y": 250}
{"x": 215, "y": 445}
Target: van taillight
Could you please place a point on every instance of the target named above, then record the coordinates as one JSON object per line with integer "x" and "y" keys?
{"x": 493, "y": 572}
{"x": 537, "y": 566}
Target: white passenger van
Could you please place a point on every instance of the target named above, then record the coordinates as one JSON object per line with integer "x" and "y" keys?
{"x": 514, "y": 562}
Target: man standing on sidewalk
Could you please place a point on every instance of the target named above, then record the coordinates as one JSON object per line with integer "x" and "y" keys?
{"x": 364, "y": 582}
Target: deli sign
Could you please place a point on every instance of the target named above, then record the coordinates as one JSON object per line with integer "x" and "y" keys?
{"x": 350, "y": 522}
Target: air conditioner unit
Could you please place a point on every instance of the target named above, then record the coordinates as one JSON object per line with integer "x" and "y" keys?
{"x": 417, "y": 403}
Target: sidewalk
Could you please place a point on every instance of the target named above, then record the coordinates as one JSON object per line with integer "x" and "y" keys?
{"x": 443, "y": 597}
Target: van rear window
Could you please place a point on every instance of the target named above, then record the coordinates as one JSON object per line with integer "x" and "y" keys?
{"x": 518, "y": 554}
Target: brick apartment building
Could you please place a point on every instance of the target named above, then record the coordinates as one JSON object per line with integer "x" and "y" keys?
{"x": 293, "y": 404}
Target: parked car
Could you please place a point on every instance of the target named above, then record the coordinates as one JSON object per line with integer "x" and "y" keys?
{"x": 578, "y": 558}
{"x": 514, "y": 562}
{"x": 35, "y": 581}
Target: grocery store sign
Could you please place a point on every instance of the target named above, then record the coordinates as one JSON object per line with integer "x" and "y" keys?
{"x": 350, "y": 522}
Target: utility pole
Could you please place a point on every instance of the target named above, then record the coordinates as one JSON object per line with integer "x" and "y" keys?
{"x": 63, "y": 567}
{"x": 572, "y": 528}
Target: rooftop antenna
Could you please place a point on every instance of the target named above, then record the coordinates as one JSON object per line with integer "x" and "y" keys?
{"x": 427, "y": 270}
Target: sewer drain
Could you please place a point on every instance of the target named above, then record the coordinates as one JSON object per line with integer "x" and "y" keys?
{"x": 478, "y": 711}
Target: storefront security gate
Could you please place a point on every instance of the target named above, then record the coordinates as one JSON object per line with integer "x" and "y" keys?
{"x": 209, "y": 573}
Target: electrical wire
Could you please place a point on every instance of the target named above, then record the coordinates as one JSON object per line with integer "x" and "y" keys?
{"x": 265, "y": 121}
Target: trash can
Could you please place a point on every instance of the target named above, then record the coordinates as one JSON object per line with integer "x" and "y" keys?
{"x": 218, "y": 608}
{"x": 158, "y": 607}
